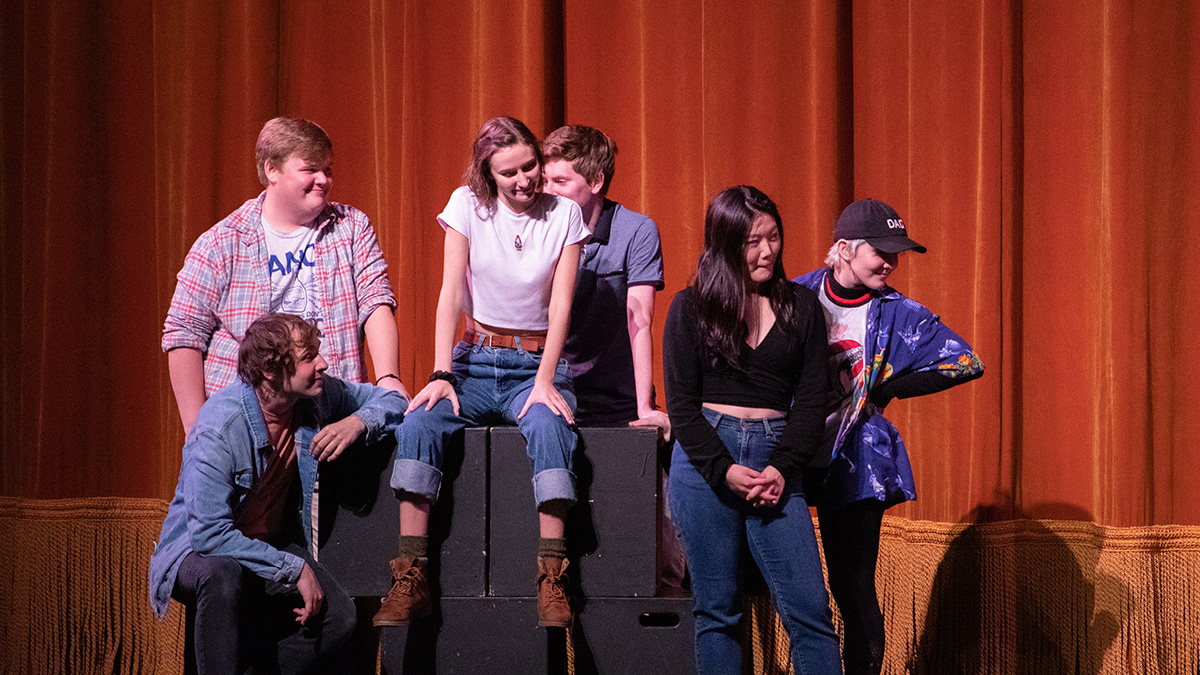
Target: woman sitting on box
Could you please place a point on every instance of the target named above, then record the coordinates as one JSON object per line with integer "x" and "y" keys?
{"x": 511, "y": 255}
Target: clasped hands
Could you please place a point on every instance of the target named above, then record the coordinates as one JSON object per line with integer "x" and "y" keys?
{"x": 760, "y": 488}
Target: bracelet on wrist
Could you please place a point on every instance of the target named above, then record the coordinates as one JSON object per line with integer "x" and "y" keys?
{"x": 445, "y": 376}
{"x": 385, "y": 376}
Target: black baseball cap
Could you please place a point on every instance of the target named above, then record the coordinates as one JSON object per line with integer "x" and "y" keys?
{"x": 878, "y": 223}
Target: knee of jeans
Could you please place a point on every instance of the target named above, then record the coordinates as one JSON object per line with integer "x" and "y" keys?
{"x": 723, "y": 612}
{"x": 539, "y": 416}
{"x": 546, "y": 432}
{"x": 421, "y": 422}
{"x": 223, "y": 580}
{"x": 542, "y": 428}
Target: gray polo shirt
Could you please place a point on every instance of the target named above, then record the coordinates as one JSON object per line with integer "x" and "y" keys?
{"x": 624, "y": 251}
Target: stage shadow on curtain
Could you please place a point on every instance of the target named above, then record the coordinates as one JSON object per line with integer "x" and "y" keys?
{"x": 1014, "y": 597}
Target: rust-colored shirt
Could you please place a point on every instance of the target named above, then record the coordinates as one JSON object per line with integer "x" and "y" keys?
{"x": 274, "y": 496}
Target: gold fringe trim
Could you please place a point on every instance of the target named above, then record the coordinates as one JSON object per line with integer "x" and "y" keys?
{"x": 1024, "y": 596}
{"x": 73, "y": 588}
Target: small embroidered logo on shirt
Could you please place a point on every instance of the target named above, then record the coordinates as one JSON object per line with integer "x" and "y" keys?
{"x": 517, "y": 243}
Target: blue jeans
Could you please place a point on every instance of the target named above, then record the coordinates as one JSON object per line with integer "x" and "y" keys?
{"x": 493, "y": 384}
{"x": 718, "y": 526}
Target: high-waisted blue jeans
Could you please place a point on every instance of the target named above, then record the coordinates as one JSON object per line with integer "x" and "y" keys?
{"x": 493, "y": 384}
{"x": 717, "y": 526}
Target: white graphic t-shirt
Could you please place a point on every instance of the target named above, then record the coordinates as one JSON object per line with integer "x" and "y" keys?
{"x": 292, "y": 266}
{"x": 847, "y": 328}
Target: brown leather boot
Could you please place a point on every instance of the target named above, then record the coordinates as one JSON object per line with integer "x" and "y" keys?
{"x": 553, "y": 608}
{"x": 409, "y": 598}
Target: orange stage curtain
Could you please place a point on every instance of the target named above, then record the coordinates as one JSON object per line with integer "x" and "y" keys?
{"x": 1045, "y": 152}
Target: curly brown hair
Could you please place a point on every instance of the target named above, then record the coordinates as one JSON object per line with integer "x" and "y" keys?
{"x": 268, "y": 350}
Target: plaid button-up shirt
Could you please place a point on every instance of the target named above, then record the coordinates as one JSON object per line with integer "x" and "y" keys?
{"x": 224, "y": 286}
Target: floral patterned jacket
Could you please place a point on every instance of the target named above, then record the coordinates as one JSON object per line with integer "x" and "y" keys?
{"x": 869, "y": 460}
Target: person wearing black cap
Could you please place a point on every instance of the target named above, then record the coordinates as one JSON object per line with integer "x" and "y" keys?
{"x": 882, "y": 346}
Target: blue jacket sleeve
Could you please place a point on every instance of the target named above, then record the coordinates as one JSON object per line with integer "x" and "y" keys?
{"x": 381, "y": 410}
{"x": 925, "y": 356}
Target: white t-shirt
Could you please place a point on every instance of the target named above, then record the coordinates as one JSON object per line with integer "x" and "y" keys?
{"x": 292, "y": 266}
{"x": 847, "y": 328}
{"x": 510, "y": 268}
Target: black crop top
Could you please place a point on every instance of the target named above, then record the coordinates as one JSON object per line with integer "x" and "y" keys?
{"x": 785, "y": 372}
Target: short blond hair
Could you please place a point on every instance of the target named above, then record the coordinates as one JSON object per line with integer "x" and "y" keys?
{"x": 832, "y": 257}
{"x": 283, "y": 137}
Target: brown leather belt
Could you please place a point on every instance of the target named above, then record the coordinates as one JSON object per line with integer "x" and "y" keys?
{"x": 530, "y": 343}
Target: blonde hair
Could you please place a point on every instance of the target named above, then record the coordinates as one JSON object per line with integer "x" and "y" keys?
{"x": 282, "y": 137}
{"x": 832, "y": 258}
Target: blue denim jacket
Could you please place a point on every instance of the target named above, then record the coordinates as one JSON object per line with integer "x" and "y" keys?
{"x": 225, "y": 454}
{"x": 869, "y": 458}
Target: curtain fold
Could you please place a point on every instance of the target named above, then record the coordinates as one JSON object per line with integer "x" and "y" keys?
{"x": 1044, "y": 152}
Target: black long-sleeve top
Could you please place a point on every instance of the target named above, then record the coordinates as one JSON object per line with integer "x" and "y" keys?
{"x": 785, "y": 372}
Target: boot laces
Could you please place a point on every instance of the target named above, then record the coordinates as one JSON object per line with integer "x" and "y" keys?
{"x": 408, "y": 581}
{"x": 405, "y": 585}
{"x": 556, "y": 586}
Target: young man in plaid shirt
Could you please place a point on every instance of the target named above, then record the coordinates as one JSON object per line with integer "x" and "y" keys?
{"x": 292, "y": 250}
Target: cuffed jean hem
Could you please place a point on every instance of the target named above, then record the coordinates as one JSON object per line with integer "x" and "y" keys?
{"x": 553, "y": 484}
{"x": 416, "y": 477}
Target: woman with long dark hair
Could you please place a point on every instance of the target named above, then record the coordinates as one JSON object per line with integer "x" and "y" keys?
{"x": 745, "y": 366}
{"x": 511, "y": 254}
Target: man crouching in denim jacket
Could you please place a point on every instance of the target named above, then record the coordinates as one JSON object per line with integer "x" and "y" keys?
{"x": 233, "y": 548}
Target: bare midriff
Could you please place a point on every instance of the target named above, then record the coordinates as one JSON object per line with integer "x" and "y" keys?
{"x": 478, "y": 327}
{"x": 742, "y": 412}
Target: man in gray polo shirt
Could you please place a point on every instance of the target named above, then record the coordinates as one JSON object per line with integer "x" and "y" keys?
{"x": 610, "y": 346}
